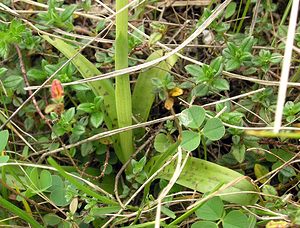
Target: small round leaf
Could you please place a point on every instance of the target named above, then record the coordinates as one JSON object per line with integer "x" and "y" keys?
{"x": 212, "y": 210}
{"x": 190, "y": 140}
{"x": 204, "y": 224}
{"x": 214, "y": 129}
{"x": 192, "y": 117}
{"x": 235, "y": 219}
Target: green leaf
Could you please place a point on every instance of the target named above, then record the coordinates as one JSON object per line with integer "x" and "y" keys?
{"x": 260, "y": 171}
{"x": 251, "y": 221}
{"x": 45, "y": 180}
{"x": 193, "y": 70}
{"x": 211, "y": 210}
{"x": 101, "y": 211}
{"x": 12, "y": 82}
{"x": 190, "y": 140}
{"x": 57, "y": 196}
{"x": 204, "y": 176}
{"x": 36, "y": 74}
{"x": 217, "y": 65}
{"x": 221, "y": 84}
{"x": 143, "y": 95}
{"x": 69, "y": 114}
{"x": 247, "y": 44}
{"x": 4, "y": 159}
{"x": 20, "y": 213}
{"x": 2, "y": 70}
{"x": 232, "y": 64}
{"x": 68, "y": 12}
{"x": 192, "y": 117}
{"x": 200, "y": 90}
{"x": 86, "y": 107}
{"x": 154, "y": 37}
{"x": 214, "y": 129}
{"x": 235, "y": 219}
{"x": 238, "y": 151}
{"x": 52, "y": 219}
{"x": 81, "y": 87}
{"x": 162, "y": 142}
{"x": 78, "y": 130}
{"x": 86, "y": 149}
{"x": 168, "y": 212}
{"x": 204, "y": 224}
{"x": 269, "y": 190}
{"x": 96, "y": 119}
{"x": 3, "y": 139}
{"x": 230, "y": 10}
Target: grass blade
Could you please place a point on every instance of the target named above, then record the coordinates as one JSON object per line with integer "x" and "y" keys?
{"x": 17, "y": 211}
{"x": 123, "y": 92}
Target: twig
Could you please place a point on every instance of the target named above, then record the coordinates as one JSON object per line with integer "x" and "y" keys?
{"x": 105, "y": 164}
{"x": 23, "y": 70}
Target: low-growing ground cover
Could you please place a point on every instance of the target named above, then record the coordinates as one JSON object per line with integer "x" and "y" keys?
{"x": 149, "y": 113}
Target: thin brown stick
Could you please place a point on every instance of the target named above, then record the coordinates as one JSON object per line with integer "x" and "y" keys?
{"x": 105, "y": 164}
{"x": 23, "y": 70}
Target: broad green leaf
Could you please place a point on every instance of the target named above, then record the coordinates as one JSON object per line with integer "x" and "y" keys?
{"x": 4, "y": 159}
{"x": 211, "y": 210}
{"x": 68, "y": 12}
{"x": 235, "y": 219}
{"x": 36, "y": 74}
{"x": 260, "y": 171}
{"x": 204, "y": 176}
{"x": 192, "y": 117}
{"x": 101, "y": 211}
{"x": 214, "y": 129}
{"x": 143, "y": 94}
{"x": 230, "y": 10}
{"x": 12, "y": 82}
{"x": 2, "y": 70}
{"x": 78, "y": 130}
{"x": 57, "y": 196}
{"x": 288, "y": 171}
{"x": 190, "y": 140}
{"x": 200, "y": 90}
{"x": 193, "y": 70}
{"x": 86, "y": 107}
{"x": 69, "y": 114}
{"x": 3, "y": 139}
{"x": 232, "y": 64}
{"x": 86, "y": 149}
{"x": 45, "y": 180}
{"x": 217, "y": 65}
{"x": 269, "y": 190}
{"x": 96, "y": 119}
{"x": 251, "y": 221}
{"x": 52, "y": 219}
{"x": 221, "y": 84}
{"x": 162, "y": 142}
{"x": 204, "y": 224}
{"x": 238, "y": 151}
